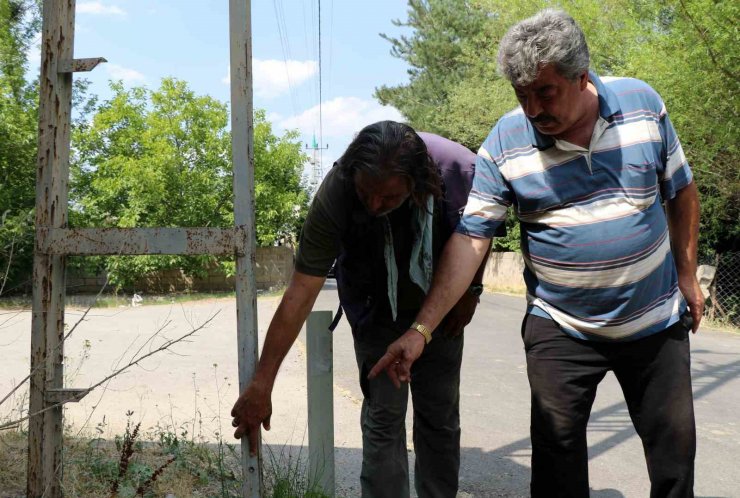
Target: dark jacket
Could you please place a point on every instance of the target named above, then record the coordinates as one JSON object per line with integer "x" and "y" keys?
{"x": 360, "y": 269}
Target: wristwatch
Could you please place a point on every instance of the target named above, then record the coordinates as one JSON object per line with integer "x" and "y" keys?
{"x": 423, "y": 330}
{"x": 476, "y": 290}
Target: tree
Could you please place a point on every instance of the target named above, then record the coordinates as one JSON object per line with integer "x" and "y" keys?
{"x": 163, "y": 158}
{"x": 281, "y": 199}
{"x": 692, "y": 60}
{"x": 437, "y": 53}
{"x": 18, "y": 129}
{"x": 687, "y": 50}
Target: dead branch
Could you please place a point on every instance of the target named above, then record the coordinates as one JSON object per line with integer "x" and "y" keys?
{"x": 133, "y": 362}
{"x": 7, "y": 269}
{"x": 66, "y": 336}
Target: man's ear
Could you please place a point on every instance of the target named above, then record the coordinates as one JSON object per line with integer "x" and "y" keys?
{"x": 583, "y": 80}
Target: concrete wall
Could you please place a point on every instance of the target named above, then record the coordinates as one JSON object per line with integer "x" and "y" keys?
{"x": 274, "y": 267}
{"x": 504, "y": 272}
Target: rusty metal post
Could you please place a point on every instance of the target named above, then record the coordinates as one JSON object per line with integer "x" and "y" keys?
{"x": 45, "y": 429}
{"x": 242, "y": 147}
{"x": 54, "y": 240}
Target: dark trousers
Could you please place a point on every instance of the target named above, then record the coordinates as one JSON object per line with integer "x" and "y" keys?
{"x": 655, "y": 377}
{"x": 435, "y": 395}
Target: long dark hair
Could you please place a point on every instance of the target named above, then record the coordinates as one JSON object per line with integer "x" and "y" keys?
{"x": 389, "y": 148}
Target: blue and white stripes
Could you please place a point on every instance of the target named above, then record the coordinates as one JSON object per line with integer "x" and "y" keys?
{"x": 594, "y": 234}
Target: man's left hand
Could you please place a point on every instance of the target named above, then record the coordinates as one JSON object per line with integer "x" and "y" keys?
{"x": 691, "y": 291}
{"x": 459, "y": 316}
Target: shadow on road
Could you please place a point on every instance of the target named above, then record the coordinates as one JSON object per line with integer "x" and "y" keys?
{"x": 502, "y": 476}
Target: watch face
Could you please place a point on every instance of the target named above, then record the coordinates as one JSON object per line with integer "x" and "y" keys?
{"x": 476, "y": 290}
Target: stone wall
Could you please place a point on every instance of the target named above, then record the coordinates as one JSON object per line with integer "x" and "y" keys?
{"x": 504, "y": 272}
{"x": 274, "y": 267}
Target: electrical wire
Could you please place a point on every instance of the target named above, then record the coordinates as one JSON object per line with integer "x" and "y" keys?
{"x": 285, "y": 46}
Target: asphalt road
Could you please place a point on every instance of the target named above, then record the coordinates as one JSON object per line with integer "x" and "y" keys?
{"x": 193, "y": 390}
{"x": 495, "y": 411}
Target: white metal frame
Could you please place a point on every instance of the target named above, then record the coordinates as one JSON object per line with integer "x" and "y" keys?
{"x": 55, "y": 241}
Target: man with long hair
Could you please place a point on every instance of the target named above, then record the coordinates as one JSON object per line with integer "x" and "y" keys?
{"x": 383, "y": 212}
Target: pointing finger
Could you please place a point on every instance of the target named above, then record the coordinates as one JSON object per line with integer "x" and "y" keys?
{"x": 385, "y": 361}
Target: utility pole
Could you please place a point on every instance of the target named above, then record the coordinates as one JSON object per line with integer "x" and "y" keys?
{"x": 317, "y": 169}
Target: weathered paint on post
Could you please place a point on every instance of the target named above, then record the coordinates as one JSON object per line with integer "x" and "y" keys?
{"x": 121, "y": 241}
{"x": 47, "y": 329}
{"x": 242, "y": 148}
{"x": 79, "y": 65}
{"x": 54, "y": 240}
{"x": 320, "y": 400}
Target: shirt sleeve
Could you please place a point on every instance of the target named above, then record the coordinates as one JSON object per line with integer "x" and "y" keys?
{"x": 319, "y": 242}
{"x": 485, "y": 213}
{"x": 674, "y": 173}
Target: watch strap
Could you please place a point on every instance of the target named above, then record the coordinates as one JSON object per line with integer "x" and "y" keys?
{"x": 423, "y": 330}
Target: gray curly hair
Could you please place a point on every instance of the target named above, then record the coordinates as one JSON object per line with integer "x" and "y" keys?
{"x": 549, "y": 37}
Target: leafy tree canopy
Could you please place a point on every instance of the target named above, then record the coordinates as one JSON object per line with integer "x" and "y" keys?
{"x": 687, "y": 50}
{"x": 163, "y": 158}
{"x": 18, "y": 130}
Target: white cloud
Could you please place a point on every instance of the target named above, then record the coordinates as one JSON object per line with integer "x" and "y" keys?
{"x": 274, "y": 117}
{"x": 99, "y": 8}
{"x": 272, "y": 78}
{"x": 128, "y": 76}
{"x": 342, "y": 117}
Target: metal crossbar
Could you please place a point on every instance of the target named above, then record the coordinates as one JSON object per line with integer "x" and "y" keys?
{"x": 54, "y": 241}
{"x": 127, "y": 241}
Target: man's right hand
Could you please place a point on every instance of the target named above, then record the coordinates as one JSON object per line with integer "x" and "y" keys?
{"x": 254, "y": 407}
{"x": 399, "y": 357}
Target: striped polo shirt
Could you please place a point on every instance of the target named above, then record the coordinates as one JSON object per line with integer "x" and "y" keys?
{"x": 594, "y": 234}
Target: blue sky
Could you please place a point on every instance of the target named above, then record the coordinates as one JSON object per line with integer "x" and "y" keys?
{"x": 145, "y": 41}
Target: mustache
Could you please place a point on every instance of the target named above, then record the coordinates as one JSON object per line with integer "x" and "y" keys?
{"x": 543, "y": 118}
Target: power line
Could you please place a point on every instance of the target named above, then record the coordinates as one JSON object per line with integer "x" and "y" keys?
{"x": 317, "y": 171}
{"x": 331, "y": 43}
{"x": 285, "y": 45}
{"x": 321, "y": 102}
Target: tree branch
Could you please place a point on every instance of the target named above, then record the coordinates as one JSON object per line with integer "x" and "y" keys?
{"x": 702, "y": 34}
{"x": 134, "y": 361}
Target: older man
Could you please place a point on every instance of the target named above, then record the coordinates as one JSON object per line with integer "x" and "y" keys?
{"x": 588, "y": 164}
{"x": 385, "y": 211}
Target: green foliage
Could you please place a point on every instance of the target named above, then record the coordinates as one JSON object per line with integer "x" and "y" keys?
{"x": 287, "y": 476}
{"x": 687, "y": 50}
{"x": 18, "y": 128}
{"x": 281, "y": 200}
{"x": 143, "y": 158}
{"x": 437, "y": 56}
{"x": 19, "y": 25}
{"x": 692, "y": 61}
{"x": 162, "y": 158}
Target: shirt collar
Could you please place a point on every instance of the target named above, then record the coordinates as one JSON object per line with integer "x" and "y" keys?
{"x": 608, "y": 107}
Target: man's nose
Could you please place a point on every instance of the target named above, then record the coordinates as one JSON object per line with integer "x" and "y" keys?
{"x": 532, "y": 107}
{"x": 375, "y": 203}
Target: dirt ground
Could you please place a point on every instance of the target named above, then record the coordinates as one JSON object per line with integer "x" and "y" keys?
{"x": 192, "y": 387}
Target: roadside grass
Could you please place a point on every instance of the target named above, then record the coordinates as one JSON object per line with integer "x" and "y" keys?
{"x": 169, "y": 459}
{"x": 125, "y": 300}
{"x": 507, "y": 291}
{"x": 719, "y": 325}
{"x": 156, "y": 463}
